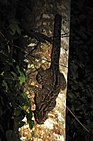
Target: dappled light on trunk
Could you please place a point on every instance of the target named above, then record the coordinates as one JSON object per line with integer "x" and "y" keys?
{"x": 47, "y": 77}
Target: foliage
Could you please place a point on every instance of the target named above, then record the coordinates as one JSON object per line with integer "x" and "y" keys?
{"x": 14, "y": 103}
{"x": 12, "y": 97}
{"x": 17, "y": 18}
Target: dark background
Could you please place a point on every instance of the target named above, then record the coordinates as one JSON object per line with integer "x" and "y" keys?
{"x": 80, "y": 72}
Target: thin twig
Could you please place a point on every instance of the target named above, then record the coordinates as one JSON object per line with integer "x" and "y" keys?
{"x": 77, "y": 119}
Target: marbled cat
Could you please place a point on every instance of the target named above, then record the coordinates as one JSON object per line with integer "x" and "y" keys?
{"x": 51, "y": 79}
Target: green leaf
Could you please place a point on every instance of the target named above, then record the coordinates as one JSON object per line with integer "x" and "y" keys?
{"x": 29, "y": 120}
{"x": 14, "y": 27}
{"x": 22, "y": 76}
{"x": 18, "y": 112}
{"x": 18, "y": 30}
{"x": 4, "y": 84}
{"x": 31, "y": 123}
{"x": 25, "y": 99}
{"x": 29, "y": 116}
